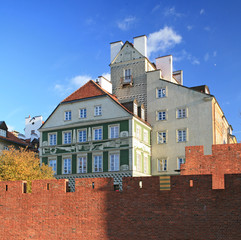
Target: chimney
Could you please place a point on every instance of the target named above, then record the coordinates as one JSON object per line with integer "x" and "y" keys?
{"x": 104, "y": 83}
{"x": 140, "y": 44}
{"x": 115, "y": 47}
{"x": 165, "y": 65}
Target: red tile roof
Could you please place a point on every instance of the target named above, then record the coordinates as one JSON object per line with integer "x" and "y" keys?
{"x": 12, "y": 138}
{"x": 92, "y": 89}
{"x": 86, "y": 91}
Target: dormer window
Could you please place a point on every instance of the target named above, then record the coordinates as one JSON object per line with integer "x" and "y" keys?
{"x": 3, "y": 133}
{"x": 135, "y": 109}
{"x": 142, "y": 113}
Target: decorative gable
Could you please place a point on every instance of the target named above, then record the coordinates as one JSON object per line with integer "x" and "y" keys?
{"x": 127, "y": 53}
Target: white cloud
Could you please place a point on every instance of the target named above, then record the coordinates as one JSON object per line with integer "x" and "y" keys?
{"x": 206, "y": 57}
{"x": 71, "y": 84}
{"x": 202, "y": 11}
{"x": 156, "y": 8}
{"x": 106, "y": 75}
{"x": 189, "y": 27}
{"x": 11, "y": 128}
{"x": 215, "y": 53}
{"x": 126, "y": 23}
{"x": 80, "y": 80}
{"x": 184, "y": 55}
{"x": 172, "y": 12}
{"x": 162, "y": 40}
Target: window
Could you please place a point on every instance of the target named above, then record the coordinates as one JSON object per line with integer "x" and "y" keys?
{"x": 52, "y": 139}
{"x": 32, "y": 132}
{"x": 162, "y": 137}
{"x": 146, "y": 164}
{"x": 138, "y": 131}
{"x": 114, "y": 162}
{"x": 182, "y": 135}
{"x": 135, "y": 109}
{"x": 114, "y": 131}
{"x": 53, "y": 164}
{"x": 162, "y": 115}
{"x": 138, "y": 161}
{"x": 181, "y": 113}
{"x": 127, "y": 77}
{"x": 67, "y": 115}
{"x": 67, "y": 166}
{"x": 3, "y": 133}
{"x": 97, "y": 163}
{"x": 97, "y": 133}
{"x": 98, "y": 111}
{"x": 162, "y": 165}
{"x": 82, "y": 163}
{"x": 82, "y": 134}
{"x": 161, "y": 93}
{"x": 82, "y": 113}
{"x": 5, "y": 148}
{"x": 180, "y": 161}
{"x": 145, "y": 136}
{"x": 67, "y": 137}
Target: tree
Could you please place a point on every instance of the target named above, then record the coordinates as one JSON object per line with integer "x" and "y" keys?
{"x": 20, "y": 164}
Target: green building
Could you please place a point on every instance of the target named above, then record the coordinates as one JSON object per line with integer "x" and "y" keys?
{"x": 91, "y": 134}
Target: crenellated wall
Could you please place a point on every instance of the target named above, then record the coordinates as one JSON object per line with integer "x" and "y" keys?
{"x": 190, "y": 210}
{"x": 225, "y": 159}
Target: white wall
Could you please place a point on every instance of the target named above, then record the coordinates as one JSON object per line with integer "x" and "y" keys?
{"x": 32, "y": 124}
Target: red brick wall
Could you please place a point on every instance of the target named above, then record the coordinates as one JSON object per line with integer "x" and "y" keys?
{"x": 225, "y": 159}
{"x": 184, "y": 212}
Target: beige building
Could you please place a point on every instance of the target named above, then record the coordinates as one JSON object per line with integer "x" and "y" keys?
{"x": 179, "y": 116}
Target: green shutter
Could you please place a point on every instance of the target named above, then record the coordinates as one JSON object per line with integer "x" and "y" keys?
{"x": 45, "y": 160}
{"x": 124, "y": 157}
{"x": 105, "y": 161}
{"x": 74, "y": 163}
{"x": 59, "y": 165}
{"x": 89, "y": 163}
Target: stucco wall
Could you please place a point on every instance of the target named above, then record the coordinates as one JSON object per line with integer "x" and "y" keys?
{"x": 198, "y": 121}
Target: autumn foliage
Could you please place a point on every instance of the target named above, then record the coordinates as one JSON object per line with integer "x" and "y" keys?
{"x": 22, "y": 165}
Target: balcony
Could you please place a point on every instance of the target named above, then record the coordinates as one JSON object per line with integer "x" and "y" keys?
{"x": 127, "y": 80}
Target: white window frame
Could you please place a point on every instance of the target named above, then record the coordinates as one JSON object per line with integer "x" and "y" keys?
{"x": 93, "y": 133}
{"x": 98, "y": 111}
{"x": 116, "y": 134}
{"x": 50, "y": 165}
{"x": 163, "y": 93}
{"x": 99, "y": 160}
{"x": 160, "y": 138}
{"x": 180, "y": 160}
{"x": 67, "y": 115}
{"x": 138, "y": 131}
{"x": 69, "y": 171}
{"x": 146, "y": 164}
{"x": 163, "y": 114}
{"x": 5, "y": 148}
{"x": 181, "y": 111}
{"x": 182, "y": 138}
{"x": 162, "y": 165}
{"x": 63, "y": 137}
{"x": 49, "y": 138}
{"x": 127, "y": 75}
{"x": 81, "y": 161}
{"x": 81, "y": 130}
{"x": 145, "y": 136}
{"x": 116, "y": 166}
{"x": 84, "y": 114}
{"x": 138, "y": 161}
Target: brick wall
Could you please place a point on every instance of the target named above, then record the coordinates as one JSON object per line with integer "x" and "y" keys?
{"x": 225, "y": 159}
{"x": 184, "y": 212}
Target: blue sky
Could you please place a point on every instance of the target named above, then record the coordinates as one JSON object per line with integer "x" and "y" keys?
{"x": 48, "y": 49}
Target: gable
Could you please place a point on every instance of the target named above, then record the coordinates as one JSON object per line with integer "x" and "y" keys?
{"x": 110, "y": 110}
{"x": 127, "y": 53}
